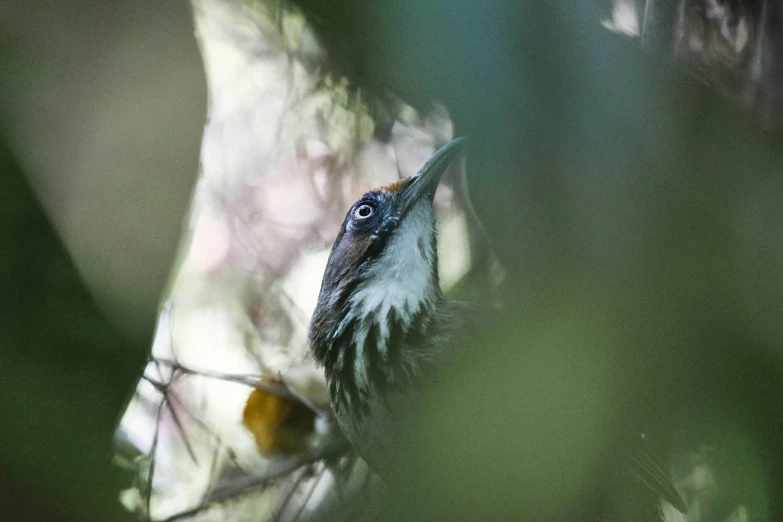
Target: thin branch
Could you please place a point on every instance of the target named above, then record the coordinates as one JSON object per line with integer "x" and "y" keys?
{"x": 181, "y": 431}
{"x": 281, "y": 389}
{"x": 153, "y": 451}
{"x": 309, "y": 495}
{"x": 293, "y": 489}
{"x": 251, "y": 483}
{"x": 213, "y": 467}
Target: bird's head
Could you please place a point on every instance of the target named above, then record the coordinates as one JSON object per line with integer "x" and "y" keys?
{"x": 384, "y": 259}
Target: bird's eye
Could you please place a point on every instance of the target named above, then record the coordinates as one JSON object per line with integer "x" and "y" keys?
{"x": 363, "y": 211}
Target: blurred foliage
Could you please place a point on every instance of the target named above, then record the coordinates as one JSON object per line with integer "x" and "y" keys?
{"x": 101, "y": 114}
{"x": 637, "y": 215}
{"x": 65, "y": 373}
{"x": 103, "y": 106}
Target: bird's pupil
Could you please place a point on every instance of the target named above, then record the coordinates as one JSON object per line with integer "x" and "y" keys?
{"x": 363, "y": 211}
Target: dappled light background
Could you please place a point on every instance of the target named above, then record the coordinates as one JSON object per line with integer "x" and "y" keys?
{"x": 618, "y": 204}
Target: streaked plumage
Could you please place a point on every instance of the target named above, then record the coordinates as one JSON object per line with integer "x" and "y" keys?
{"x": 382, "y": 321}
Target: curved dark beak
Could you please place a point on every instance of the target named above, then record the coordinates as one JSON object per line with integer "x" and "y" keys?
{"x": 425, "y": 183}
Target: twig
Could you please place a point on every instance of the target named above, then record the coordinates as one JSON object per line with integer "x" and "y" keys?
{"x": 309, "y": 495}
{"x": 153, "y": 450}
{"x": 281, "y": 389}
{"x": 251, "y": 483}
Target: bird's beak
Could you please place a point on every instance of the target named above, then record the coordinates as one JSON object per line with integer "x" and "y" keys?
{"x": 425, "y": 183}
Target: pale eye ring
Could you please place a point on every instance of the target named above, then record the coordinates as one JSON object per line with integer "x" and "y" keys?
{"x": 363, "y": 211}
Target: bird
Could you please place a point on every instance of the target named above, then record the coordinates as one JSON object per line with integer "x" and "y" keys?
{"x": 382, "y": 328}
{"x": 381, "y": 319}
